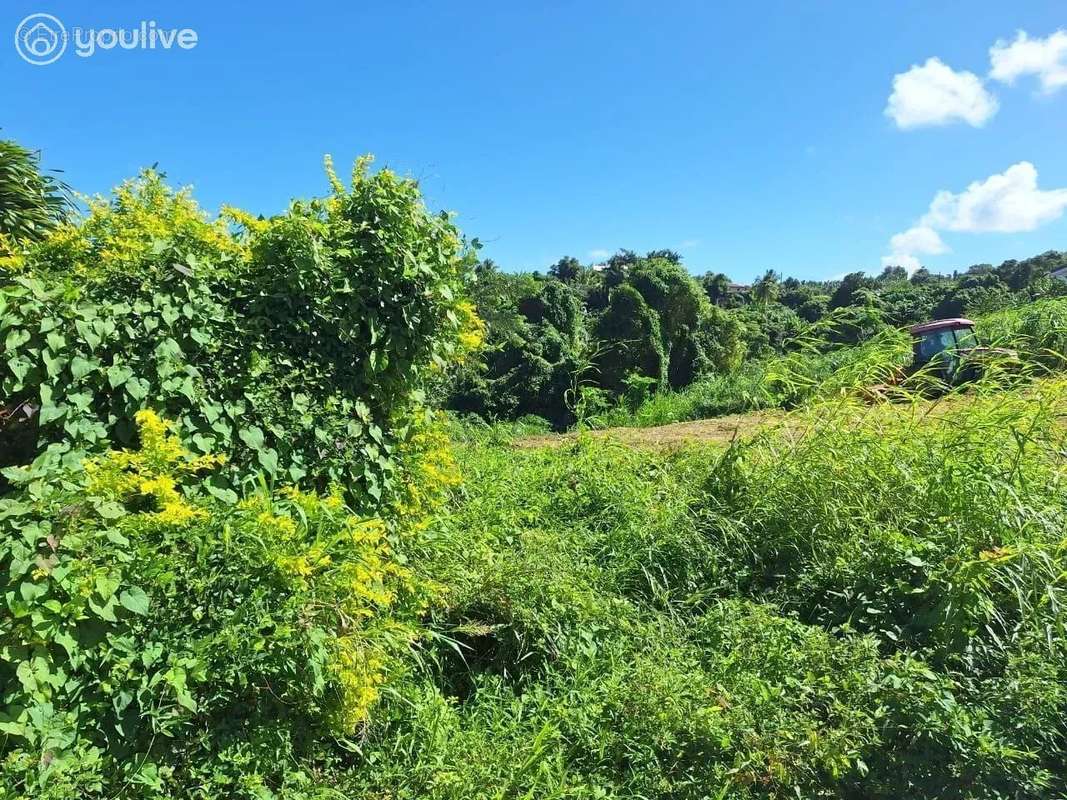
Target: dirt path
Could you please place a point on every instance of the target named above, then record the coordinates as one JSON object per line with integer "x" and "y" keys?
{"x": 722, "y": 430}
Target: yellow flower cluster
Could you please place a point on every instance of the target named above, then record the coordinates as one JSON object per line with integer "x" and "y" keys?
{"x": 151, "y": 472}
{"x": 343, "y": 565}
{"x": 306, "y": 564}
{"x": 360, "y": 673}
{"x": 123, "y": 232}
{"x": 472, "y": 329}
{"x": 10, "y": 254}
{"x": 432, "y": 473}
{"x": 237, "y": 216}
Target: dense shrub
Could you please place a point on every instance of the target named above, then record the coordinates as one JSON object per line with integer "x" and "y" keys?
{"x": 295, "y": 347}
{"x": 158, "y": 642}
{"x": 633, "y": 341}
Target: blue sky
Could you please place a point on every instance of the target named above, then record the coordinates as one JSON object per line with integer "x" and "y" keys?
{"x": 747, "y": 136}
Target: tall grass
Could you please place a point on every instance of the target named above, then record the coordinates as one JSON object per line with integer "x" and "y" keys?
{"x": 808, "y": 372}
{"x": 865, "y": 602}
{"x": 1038, "y": 332}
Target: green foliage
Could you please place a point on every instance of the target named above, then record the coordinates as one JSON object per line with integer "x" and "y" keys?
{"x": 850, "y": 291}
{"x": 707, "y": 327}
{"x": 768, "y": 328}
{"x": 295, "y": 348}
{"x": 746, "y": 623}
{"x": 32, "y": 203}
{"x": 160, "y": 643}
{"x": 808, "y": 373}
{"x": 634, "y": 341}
{"x": 1038, "y": 332}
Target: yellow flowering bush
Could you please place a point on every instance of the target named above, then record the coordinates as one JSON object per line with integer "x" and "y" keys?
{"x": 142, "y": 612}
{"x": 298, "y": 345}
{"x": 123, "y": 236}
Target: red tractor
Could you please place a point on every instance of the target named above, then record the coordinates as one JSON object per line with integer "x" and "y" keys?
{"x": 948, "y": 348}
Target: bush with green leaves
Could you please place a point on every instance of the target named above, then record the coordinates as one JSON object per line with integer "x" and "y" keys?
{"x": 632, "y": 341}
{"x": 296, "y": 345}
{"x": 159, "y": 642}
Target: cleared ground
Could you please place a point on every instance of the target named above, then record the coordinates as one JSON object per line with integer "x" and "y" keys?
{"x": 671, "y": 437}
{"x": 723, "y": 430}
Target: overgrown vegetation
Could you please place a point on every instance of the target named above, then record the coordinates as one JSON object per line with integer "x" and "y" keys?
{"x": 239, "y": 556}
{"x": 160, "y": 642}
{"x": 867, "y": 603}
{"x": 295, "y": 345}
{"x": 638, "y": 340}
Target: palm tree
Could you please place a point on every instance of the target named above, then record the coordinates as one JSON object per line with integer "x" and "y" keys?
{"x": 765, "y": 290}
{"x": 31, "y": 203}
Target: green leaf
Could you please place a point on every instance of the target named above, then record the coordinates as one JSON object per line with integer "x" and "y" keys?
{"x": 87, "y": 333}
{"x": 15, "y": 339}
{"x": 80, "y": 367}
{"x": 252, "y": 437}
{"x": 134, "y": 599}
{"x": 137, "y": 388}
{"x": 110, "y": 510}
{"x": 67, "y": 642}
{"x": 118, "y": 375}
{"x": 268, "y": 458}
{"x": 19, "y": 367}
{"x": 228, "y": 496}
{"x": 105, "y": 611}
{"x": 50, "y": 413}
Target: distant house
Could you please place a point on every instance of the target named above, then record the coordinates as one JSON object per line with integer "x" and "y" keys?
{"x": 737, "y": 288}
{"x": 1060, "y": 273}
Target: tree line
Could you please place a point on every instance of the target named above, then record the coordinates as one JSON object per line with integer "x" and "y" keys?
{"x": 640, "y": 324}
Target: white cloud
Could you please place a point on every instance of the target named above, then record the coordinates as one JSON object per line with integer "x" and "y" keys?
{"x": 599, "y": 254}
{"x": 1006, "y": 203}
{"x": 935, "y": 94}
{"x": 919, "y": 239}
{"x": 1045, "y": 58}
{"x": 1009, "y": 202}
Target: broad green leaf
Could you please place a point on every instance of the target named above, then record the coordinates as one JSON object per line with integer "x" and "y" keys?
{"x": 134, "y": 599}
{"x": 118, "y": 375}
{"x": 252, "y": 437}
{"x": 268, "y": 458}
{"x": 15, "y": 339}
{"x": 80, "y": 367}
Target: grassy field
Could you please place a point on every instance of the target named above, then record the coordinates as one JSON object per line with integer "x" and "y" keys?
{"x": 242, "y": 555}
{"x": 870, "y": 609}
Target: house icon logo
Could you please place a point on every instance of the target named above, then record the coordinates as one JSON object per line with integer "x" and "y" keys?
{"x": 40, "y": 39}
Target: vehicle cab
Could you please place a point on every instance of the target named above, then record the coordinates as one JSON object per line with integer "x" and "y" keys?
{"x": 942, "y": 343}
